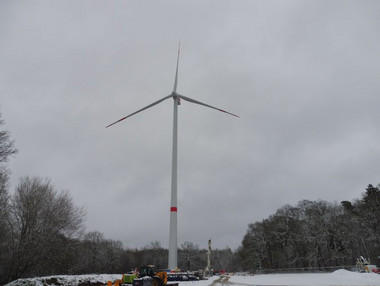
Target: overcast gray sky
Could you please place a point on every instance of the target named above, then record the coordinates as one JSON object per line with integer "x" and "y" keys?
{"x": 302, "y": 75}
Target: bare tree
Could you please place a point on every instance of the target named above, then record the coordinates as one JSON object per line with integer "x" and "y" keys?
{"x": 191, "y": 257}
{"x": 4, "y": 229}
{"x": 3, "y": 206}
{"x": 43, "y": 221}
{"x": 6, "y": 150}
{"x": 6, "y": 144}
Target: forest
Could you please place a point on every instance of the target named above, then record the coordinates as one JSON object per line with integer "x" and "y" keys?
{"x": 42, "y": 232}
{"x": 315, "y": 234}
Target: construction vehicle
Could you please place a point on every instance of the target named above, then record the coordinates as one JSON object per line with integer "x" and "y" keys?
{"x": 364, "y": 265}
{"x": 149, "y": 276}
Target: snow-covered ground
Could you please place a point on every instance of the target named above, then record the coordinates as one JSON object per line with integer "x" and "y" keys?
{"x": 339, "y": 277}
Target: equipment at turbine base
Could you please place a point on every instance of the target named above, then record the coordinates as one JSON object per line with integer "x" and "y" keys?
{"x": 128, "y": 278}
{"x": 149, "y": 276}
{"x": 364, "y": 265}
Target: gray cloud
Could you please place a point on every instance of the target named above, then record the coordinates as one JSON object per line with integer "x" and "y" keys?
{"x": 303, "y": 76}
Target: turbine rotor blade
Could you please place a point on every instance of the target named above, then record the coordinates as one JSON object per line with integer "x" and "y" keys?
{"x": 204, "y": 104}
{"x": 142, "y": 109}
{"x": 176, "y": 71}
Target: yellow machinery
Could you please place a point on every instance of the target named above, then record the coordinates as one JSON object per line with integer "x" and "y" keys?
{"x": 149, "y": 276}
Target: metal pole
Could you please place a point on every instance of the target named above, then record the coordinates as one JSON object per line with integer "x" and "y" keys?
{"x": 208, "y": 258}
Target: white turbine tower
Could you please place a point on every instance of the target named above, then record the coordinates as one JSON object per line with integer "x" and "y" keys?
{"x": 173, "y": 205}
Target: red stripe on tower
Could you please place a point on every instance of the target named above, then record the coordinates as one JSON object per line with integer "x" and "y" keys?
{"x": 173, "y": 209}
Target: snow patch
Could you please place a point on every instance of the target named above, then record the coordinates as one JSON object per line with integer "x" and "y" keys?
{"x": 67, "y": 280}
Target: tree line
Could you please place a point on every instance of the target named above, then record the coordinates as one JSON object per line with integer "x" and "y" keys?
{"x": 42, "y": 233}
{"x": 315, "y": 234}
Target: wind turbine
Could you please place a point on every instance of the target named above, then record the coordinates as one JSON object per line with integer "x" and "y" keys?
{"x": 173, "y": 246}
